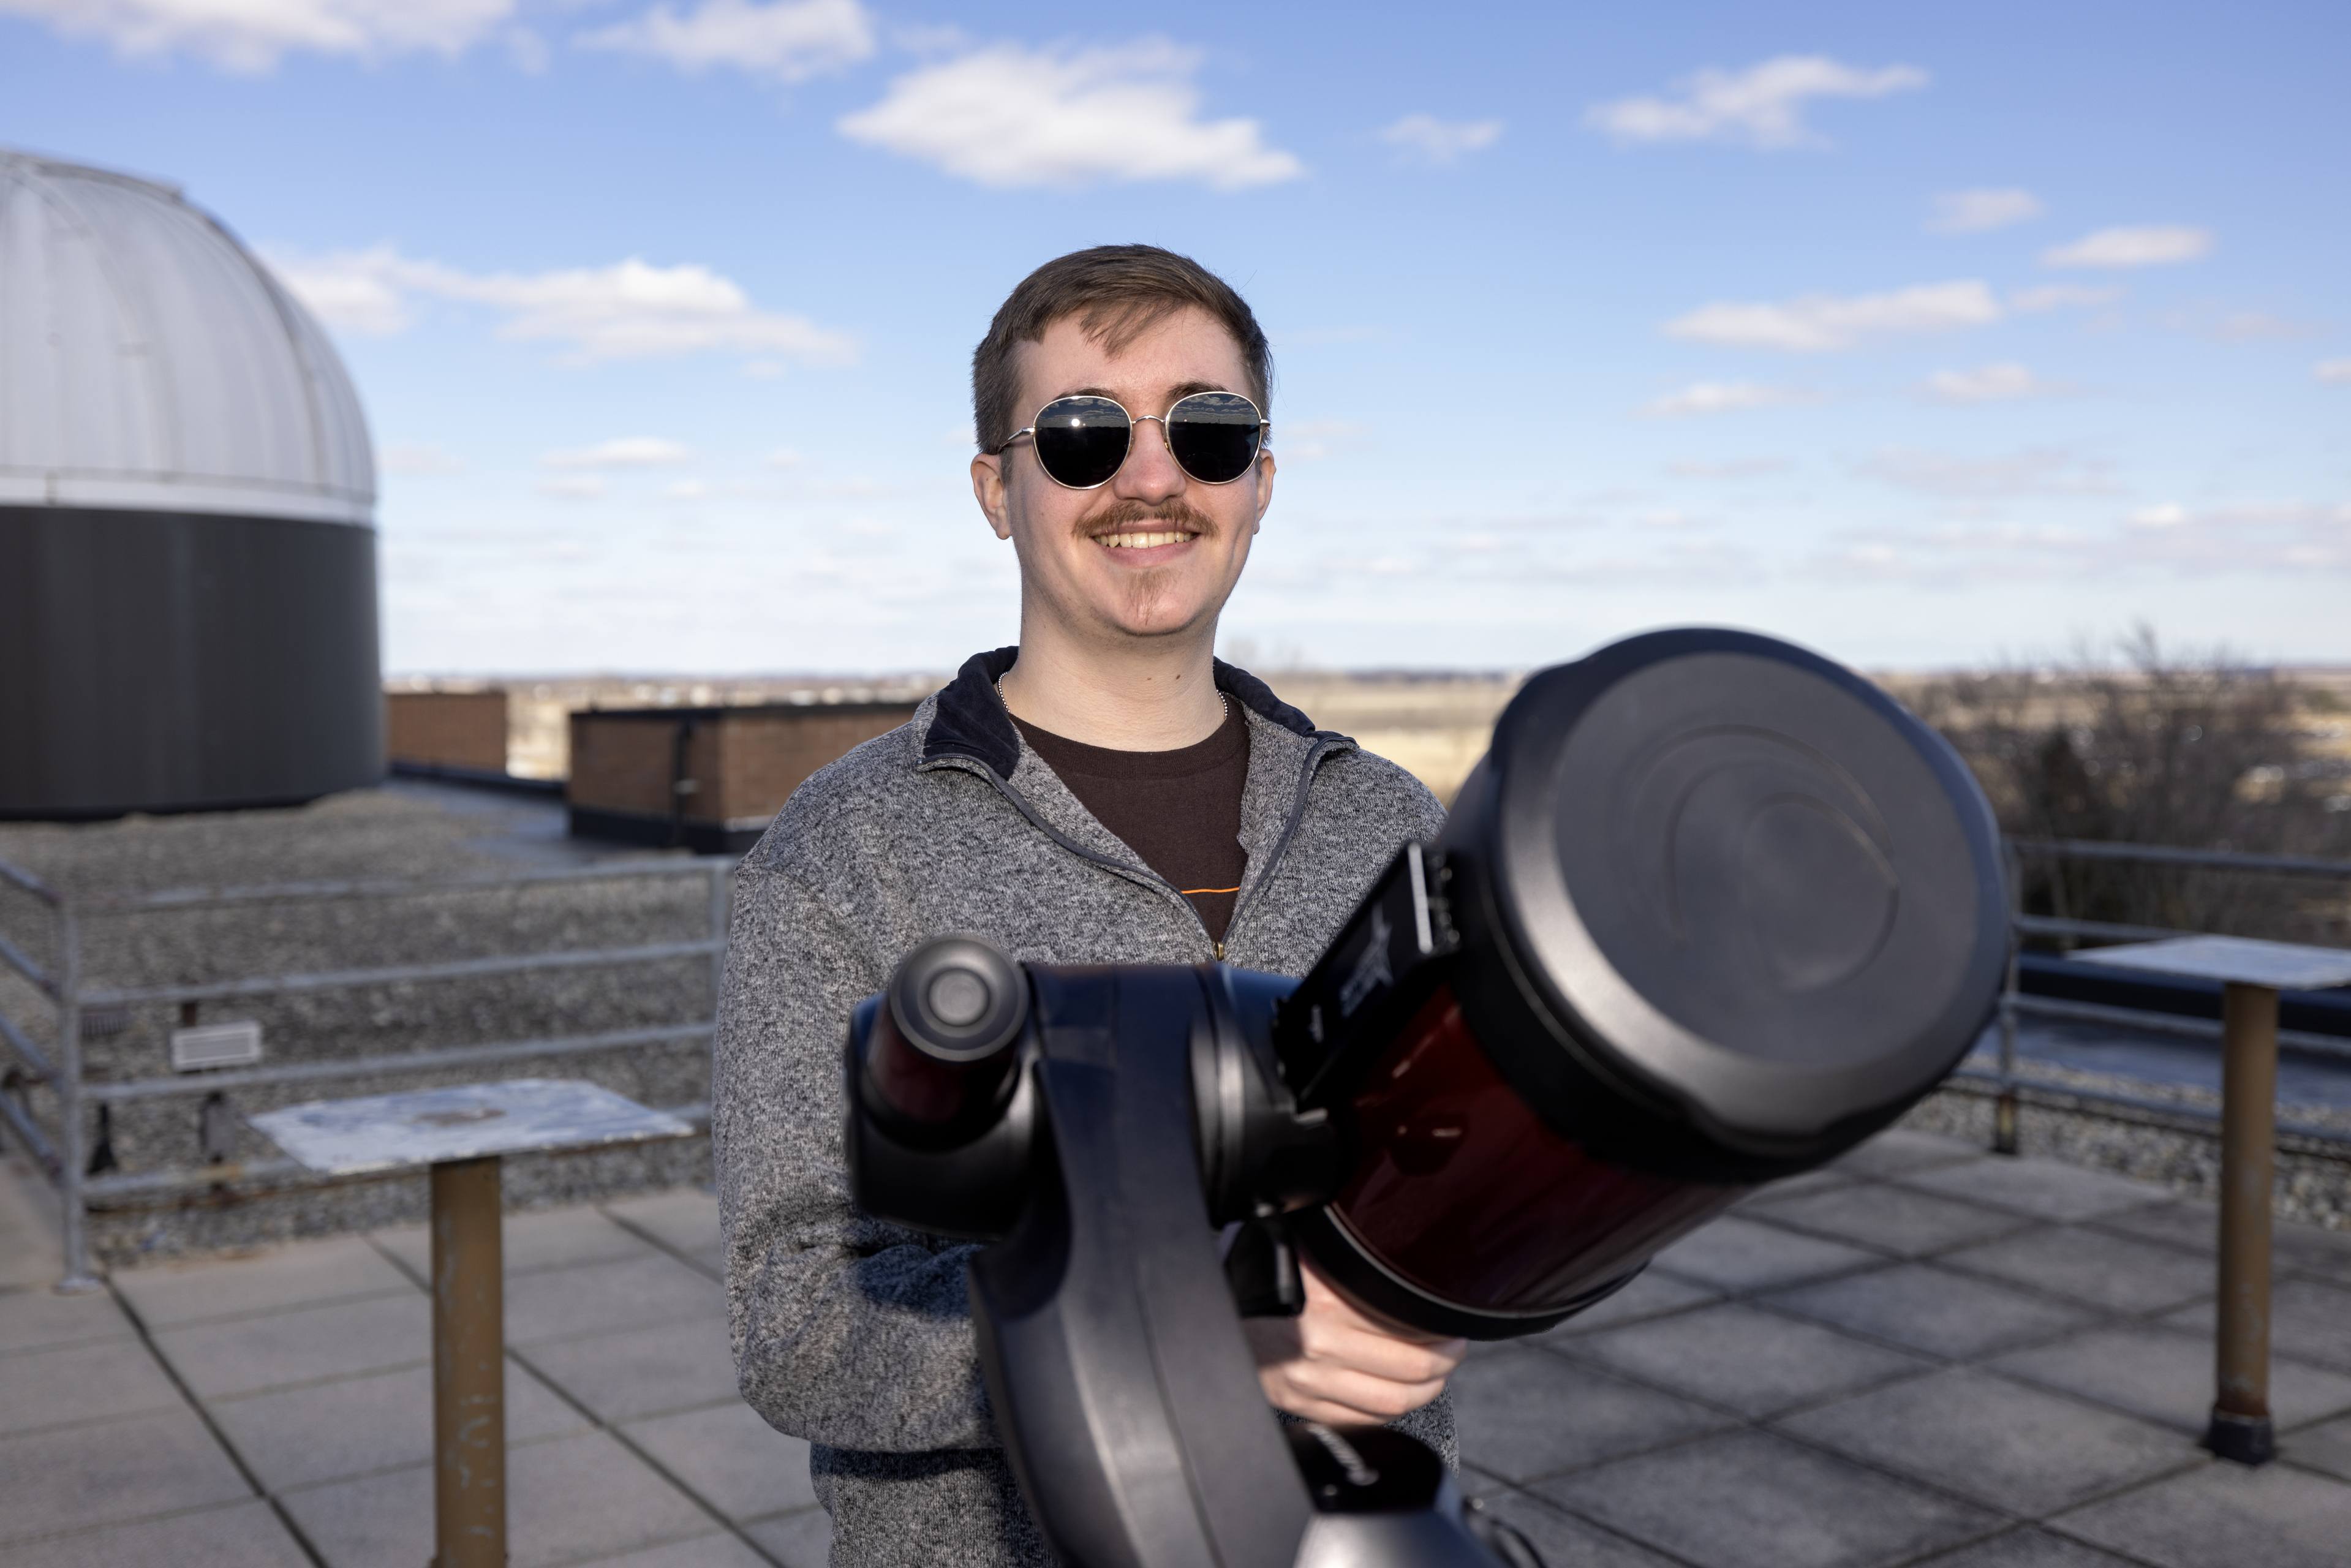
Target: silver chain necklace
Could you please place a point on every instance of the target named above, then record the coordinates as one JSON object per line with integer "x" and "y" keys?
{"x": 1224, "y": 701}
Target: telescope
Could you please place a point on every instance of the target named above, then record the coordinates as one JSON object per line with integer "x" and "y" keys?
{"x": 1711, "y": 911}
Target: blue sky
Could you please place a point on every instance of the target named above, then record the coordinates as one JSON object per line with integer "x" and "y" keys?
{"x": 1924, "y": 336}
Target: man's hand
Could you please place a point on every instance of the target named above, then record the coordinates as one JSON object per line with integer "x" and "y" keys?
{"x": 1336, "y": 1364}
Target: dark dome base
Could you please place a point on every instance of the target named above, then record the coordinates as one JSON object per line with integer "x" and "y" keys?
{"x": 183, "y": 662}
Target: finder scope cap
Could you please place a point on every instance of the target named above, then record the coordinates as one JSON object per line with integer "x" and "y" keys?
{"x": 958, "y": 998}
{"x": 1743, "y": 882}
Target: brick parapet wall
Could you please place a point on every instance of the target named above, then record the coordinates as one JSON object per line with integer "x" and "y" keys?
{"x": 743, "y": 764}
{"x": 764, "y": 756}
{"x": 447, "y": 729}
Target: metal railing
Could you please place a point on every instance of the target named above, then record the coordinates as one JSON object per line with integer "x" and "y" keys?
{"x": 61, "y": 1148}
{"x": 2008, "y": 1091}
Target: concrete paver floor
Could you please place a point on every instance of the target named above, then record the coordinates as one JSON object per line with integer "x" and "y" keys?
{"x": 277, "y": 1408}
{"x": 1926, "y": 1355}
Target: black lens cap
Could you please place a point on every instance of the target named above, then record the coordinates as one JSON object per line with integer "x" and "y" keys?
{"x": 1744, "y": 880}
{"x": 958, "y": 998}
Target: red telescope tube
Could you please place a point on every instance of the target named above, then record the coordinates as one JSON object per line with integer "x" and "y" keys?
{"x": 1711, "y": 911}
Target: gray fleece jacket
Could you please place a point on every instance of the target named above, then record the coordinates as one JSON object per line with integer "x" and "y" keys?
{"x": 856, "y": 1335}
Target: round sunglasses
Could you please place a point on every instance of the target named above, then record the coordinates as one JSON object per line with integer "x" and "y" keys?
{"x": 1081, "y": 441}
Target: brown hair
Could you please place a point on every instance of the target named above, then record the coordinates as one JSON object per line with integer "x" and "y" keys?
{"x": 1117, "y": 292}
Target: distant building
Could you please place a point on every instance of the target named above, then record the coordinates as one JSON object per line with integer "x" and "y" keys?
{"x": 187, "y": 541}
{"x": 708, "y": 779}
{"x": 460, "y": 732}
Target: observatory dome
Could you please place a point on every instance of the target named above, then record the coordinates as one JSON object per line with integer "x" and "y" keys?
{"x": 187, "y": 554}
{"x": 147, "y": 360}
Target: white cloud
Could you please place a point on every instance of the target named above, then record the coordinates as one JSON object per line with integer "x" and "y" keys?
{"x": 628, "y": 310}
{"x": 2332, "y": 369}
{"x": 687, "y": 490}
{"x": 1728, "y": 467}
{"x": 625, "y": 452}
{"x": 2294, "y": 514}
{"x": 573, "y": 487}
{"x": 2259, "y": 538}
{"x": 1007, "y": 116}
{"x": 1424, "y": 139}
{"x": 920, "y": 39}
{"x": 418, "y": 457}
{"x": 790, "y": 40}
{"x": 1817, "y": 323}
{"x": 2258, "y": 327}
{"x": 1973, "y": 212}
{"x": 785, "y": 458}
{"x": 2154, "y": 246}
{"x": 2036, "y": 470}
{"x": 1874, "y": 557}
{"x": 355, "y": 293}
{"x": 1963, "y": 552}
{"x": 254, "y": 34}
{"x": 2293, "y": 537}
{"x": 1762, "y": 106}
{"x": 2060, "y": 296}
{"x": 2005, "y": 383}
{"x": 1673, "y": 559}
{"x": 1722, "y": 397}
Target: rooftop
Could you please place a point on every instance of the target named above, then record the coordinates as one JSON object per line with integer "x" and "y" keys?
{"x": 1924, "y": 1355}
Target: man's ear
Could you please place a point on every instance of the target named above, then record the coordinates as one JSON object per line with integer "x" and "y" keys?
{"x": 987, "y": 489}
{"x": 1264, "y": 487}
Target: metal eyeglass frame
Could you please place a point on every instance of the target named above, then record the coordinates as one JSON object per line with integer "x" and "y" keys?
{"x": 1263, "y": 426}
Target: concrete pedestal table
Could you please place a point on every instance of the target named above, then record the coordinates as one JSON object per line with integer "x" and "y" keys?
{"x": 462, "y": 1133}
{"x": 2250, "y": 974}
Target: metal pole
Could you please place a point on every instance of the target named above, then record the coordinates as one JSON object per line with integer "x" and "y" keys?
{"x": 2003, "y": 1111}
{"x": 2240, "y": 1428}
{"x": 721, "y": 890}
{"x": 73, "y": 1158}
{"x": 469, "y": 1394}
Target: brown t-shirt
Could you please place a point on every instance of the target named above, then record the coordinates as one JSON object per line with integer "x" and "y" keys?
{"x": 1179, "y": 810}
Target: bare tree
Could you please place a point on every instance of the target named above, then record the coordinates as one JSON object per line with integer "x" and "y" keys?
{"x": 2200, "y": 751}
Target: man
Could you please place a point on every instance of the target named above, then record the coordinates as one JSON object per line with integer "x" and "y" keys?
{"x": 1106, "y": 792}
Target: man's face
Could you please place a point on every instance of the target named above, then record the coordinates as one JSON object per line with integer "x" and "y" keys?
{"x": 1154, "y": 551}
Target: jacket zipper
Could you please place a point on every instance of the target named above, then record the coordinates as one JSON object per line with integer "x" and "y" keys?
{"x": 1306, "y": 771}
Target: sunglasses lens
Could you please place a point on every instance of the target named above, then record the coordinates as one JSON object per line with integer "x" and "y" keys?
{"x": 1214, "y": 436}
{"x": 1081, "y": 441}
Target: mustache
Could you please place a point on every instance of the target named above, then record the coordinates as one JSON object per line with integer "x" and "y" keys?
{"x": 1120, "y": 517}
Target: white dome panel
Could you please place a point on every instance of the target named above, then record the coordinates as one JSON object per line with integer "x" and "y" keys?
{"x": 149, "y": 361}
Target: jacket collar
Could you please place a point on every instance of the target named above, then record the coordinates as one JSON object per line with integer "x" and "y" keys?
{"x": 968, "y": 718}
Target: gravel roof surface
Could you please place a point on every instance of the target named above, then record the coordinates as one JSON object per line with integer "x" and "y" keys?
{"x": 2311, "y": 1185}
{"x": 425, "y": 835}
{"x": 399, "y": 830}
{"x": 435, "y": 832}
